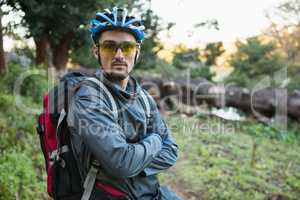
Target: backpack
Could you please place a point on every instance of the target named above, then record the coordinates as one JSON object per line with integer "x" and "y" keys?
{"x": 64, "y": 180}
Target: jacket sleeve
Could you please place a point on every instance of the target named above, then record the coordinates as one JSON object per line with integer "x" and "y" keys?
{"x": 91, "y": 117}
{"x": 168, "y": 155}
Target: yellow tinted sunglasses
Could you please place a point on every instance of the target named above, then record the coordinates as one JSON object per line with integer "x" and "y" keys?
{"x": 111, "y": 47}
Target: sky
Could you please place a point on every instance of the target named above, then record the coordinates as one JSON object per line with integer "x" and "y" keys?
{"x": 236, "y": 18}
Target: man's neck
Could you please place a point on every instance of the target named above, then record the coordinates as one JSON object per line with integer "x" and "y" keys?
{"x": 122, "y": 83}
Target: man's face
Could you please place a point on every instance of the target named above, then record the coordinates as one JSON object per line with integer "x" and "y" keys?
{"x": 117, "y": 51}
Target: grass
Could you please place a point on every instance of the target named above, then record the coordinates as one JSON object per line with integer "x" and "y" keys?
{"x": 227, "y": 160}
{"x": 21, "y": 163}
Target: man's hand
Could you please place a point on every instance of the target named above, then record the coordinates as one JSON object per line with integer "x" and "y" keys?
{"x": 167, "y": 141}
{"x": 152, "y": 135}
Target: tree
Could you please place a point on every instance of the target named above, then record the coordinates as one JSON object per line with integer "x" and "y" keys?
{"x": 212, "y": 51}
{"x": 54, "y": 24}
{"x": 285, "y": 28}
{"x": 285, "y": 31}
{"x": 186, "y": 58}
{"x": 254, "y": 59}
{"x": 81, "y": 51}
{"x": 2, "y": 57}
{"x": 189, "y": 58}
{"x": 151, "y": 45}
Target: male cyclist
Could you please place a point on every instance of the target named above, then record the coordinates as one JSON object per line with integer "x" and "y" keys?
{"x": 128, "y": 149}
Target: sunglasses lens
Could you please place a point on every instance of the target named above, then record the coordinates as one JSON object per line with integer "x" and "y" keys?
{"x": 128, "y": 48}
{"x": 108, "y": 47}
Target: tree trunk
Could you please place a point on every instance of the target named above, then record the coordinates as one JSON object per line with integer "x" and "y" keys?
{"x": 41, "y": 49}
{"x": 61, "y": 52}
{"x": 2, "y": 57}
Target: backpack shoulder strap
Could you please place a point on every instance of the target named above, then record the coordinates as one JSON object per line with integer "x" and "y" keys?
{"x": 92, "y": 173}
{"x": 89, "y": 182}
{"x": 107, "y": 92}
{"x": 145, "y": 98}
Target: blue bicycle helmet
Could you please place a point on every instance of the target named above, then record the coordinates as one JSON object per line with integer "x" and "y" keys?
{"x": 117, "y": 19}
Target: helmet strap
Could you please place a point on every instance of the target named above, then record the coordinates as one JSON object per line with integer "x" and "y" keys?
{"x": 98, "y": 55}
{"x": 136, "y": 57}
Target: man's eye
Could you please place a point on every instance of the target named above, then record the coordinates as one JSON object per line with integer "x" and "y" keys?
{"x": 128, "y": 46}
{"x": 108, "y": 46}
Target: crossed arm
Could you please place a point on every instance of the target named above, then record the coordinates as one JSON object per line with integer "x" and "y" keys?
{"x": 90, "y": 115}
{"x": 168, "y": 154}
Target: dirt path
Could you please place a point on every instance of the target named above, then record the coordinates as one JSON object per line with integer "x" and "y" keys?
{"x": 182, "y": 193}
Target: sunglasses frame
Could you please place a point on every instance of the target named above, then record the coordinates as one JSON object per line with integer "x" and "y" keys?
{"x": 118, "y": 46}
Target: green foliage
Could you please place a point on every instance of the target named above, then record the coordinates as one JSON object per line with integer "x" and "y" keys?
{"x": 215, "y": 160}
{"x": 21, "y": 160}
{"x": 212, "y": 51}
{"x": 162, "y": 69}
{"x": 254, "y": 60}
{"x": 189, "y": 59}
{"x": 238, "y": 78}
{"x": 165, "y": 69}
{"x": 169, "y": 71}
{"x": 56, "y": 18}
{"x": 58, "y": 23}
{"x": 34, "y": 85}
{"x": 82, "y": 53}
{"x": 294, "y": 76}
{"x": 18, "y": 177}
{"x": 202, "y": 72}
{"x": 260, "y": 130}
{"x": 151, "y": 45}
{"x": 8, "y": 81}
{"x": 25, "y": 51}
{"x": 16, "y": 127}
{"x": 186, "y": 58}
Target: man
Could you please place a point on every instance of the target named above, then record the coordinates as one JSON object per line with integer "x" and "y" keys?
{"x": 131, "y": 149}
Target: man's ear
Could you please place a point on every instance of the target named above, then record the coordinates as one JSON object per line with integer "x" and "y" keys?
{"x": 95, "y": 51}
{"x": 137, "y": 55}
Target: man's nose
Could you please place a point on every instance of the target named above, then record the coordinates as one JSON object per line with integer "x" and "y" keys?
{"x": 119, "y": 53}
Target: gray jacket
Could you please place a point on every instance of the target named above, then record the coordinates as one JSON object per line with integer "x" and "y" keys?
{"x": 130, "y": 153}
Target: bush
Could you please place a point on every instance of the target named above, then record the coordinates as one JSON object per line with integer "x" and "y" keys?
{"x": 18, "y": 177}
{"x": 201, "y": 72}
{"x": 254, "y": 60}
{"x": 34, "y": 85}
{"x": 294, "y": 75}
{"x": 262, "y": 130}
{"x": 162, "y": 69}
{"x": 8, "y": 81}
{"x": 21, "y": 161}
